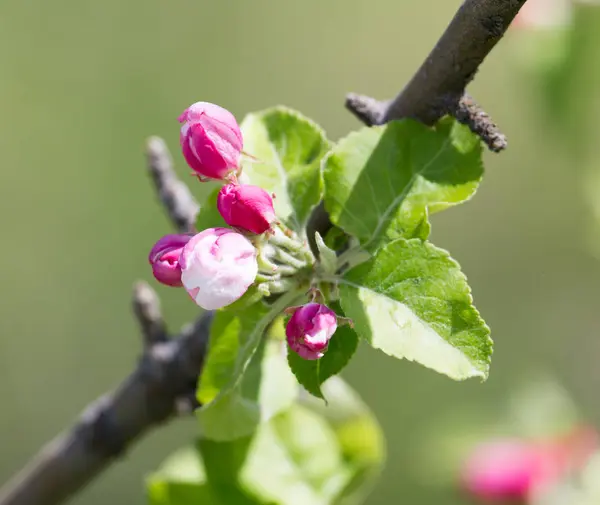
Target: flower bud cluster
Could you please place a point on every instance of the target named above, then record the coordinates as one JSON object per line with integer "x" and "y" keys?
{"x": 218, "y": 265}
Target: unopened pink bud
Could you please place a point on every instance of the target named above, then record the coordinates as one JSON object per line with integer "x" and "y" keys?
{"x": 217, "y": 267}
{"x": 509, "y": 470}
{"x": 247, "y": 207}
{"x": 309, "y": 330}
{"x": 164, "y": 258}
{"x": 211, "y": 140}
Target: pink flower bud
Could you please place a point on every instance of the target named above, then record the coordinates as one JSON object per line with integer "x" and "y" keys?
{"x": 518, "y": 471}
{"x": 211, "y": 140}
{"x": 309, "y": 330}
{"x": 217, "y": 267}
{"x": 164, "y": 258}
{"x": 247, "y": 207}
{"x": 505, "y": 470}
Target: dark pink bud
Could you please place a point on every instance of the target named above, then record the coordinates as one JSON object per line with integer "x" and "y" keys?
{"x": 164, "y": 258}
{"x": 309, "y": 330}
{"x": 247, "y": 207}
{"x": 211, "y": 140}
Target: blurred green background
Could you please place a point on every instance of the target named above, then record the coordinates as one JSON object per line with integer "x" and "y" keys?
{"x": 83, "y": 84}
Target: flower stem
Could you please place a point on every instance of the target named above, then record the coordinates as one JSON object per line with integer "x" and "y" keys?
{"x": 283, "y": 237}
{"x": 281, "y": 286}
{"x": 288, "y": 259}
{"x": 286, "y": 271}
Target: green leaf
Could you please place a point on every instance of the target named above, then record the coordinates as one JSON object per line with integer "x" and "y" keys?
{"x": 294, "y": 459}
{"x": 313, "y": 373}
{"x": 266, "y": 389}
{"x": 308, "y": 454}
{"x": 180, "y": 480}
{"x": 184, "y": 479}
{"x": 381, "y": 183}
{"x": 360, "y": 437}
{"x": 224, "y": 461}
{"x": 229, "y": 331}
{"x": 289, "y": 148}
{"x": 240, "y": 387}
{"x": 209, "y": 216}
{"x": 229, "y": 417}
{"x": 412, "y": 301}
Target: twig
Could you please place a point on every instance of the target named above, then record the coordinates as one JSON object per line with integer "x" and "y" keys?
{"x": 439, "y": 84}
{"x": 469, "y": 113}
{"x": 175, "y": 196}
{"x": 167, "y": 372}
{"x": 369, "y": 110}
{"x": 146, "y": 307}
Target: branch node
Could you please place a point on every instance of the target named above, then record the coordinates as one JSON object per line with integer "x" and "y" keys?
{"x": 469, "y": 113}
{"x": 146, "y": 307}
{"x": 369, "y": 110}
{"x": 175, "y": 196}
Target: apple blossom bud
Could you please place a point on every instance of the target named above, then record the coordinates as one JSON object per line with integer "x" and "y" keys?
{"x": 247, "y": 207}
{"x": 513, "y": 470}
{"x": 211, "y": 140}
{"x": 164, "y": 258}
{"x": 309, "y": 330}
{"x": 217, "y": 267}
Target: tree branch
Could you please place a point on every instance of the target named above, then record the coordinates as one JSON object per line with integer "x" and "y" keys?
{"x": 161, "y": 387}
{"x": 439, "y": 85}
{"x": 167, "y": 372}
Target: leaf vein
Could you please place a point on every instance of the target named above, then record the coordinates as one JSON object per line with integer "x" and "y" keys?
{"x": 402, "y": 195}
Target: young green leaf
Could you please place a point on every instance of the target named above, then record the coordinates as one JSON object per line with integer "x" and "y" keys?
{"x": 381, "y": 183}
{"x": 296, "y": 450}
{"x": 239, "y": 387}
{"x": 308, "y": 454}
{"x": 289, "y": 148}
{"x": 180, "y": 480}
{"x": 313, "y": 373}
{"x": 228, "y": 333}
{"x": 412, "y": 301}
{"x": 360, "y": 437}
{"x": 266, "y": 389}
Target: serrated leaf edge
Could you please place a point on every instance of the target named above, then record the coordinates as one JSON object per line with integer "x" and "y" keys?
{"x": 488, "y": 340}
{"x": 397, "y": 202}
